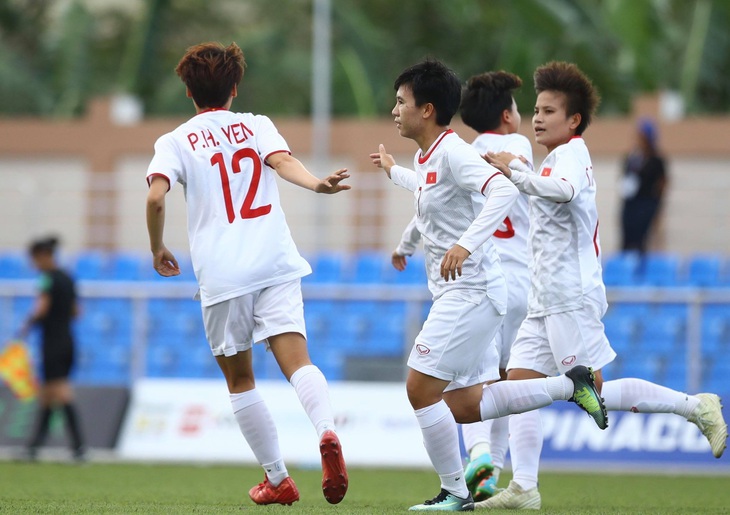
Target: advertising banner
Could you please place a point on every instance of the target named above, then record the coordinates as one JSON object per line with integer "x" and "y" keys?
{"x": 191, "y": 420}
{"x": 100, "y": 410}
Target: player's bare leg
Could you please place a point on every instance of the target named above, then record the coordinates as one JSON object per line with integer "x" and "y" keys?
{"x": 290, "y": 351}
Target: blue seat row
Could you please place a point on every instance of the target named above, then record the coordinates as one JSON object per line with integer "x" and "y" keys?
{"x": 619, "y": 269}
{"x": 664, "y": 269}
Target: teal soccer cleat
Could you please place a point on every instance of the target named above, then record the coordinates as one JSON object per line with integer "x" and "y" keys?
{"x": 486, "y": 489}
{"x": 477, "y": 470}
{"x": 445, "y": 501}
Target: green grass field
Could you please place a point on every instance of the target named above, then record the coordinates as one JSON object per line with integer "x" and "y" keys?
{"x": 136, "y": 488}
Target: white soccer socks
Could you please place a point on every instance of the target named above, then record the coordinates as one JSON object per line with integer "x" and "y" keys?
{"x": 641, "y": 396}
{"x": 525, "y": 445}
{"x": 311, "y": 387}
{"x": 257, "y": 427}
{"x": 441, "y": 439}
{"x": 509, "y": 397}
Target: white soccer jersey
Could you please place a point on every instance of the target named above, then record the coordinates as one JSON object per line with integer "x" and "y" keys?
{"x": 511, "y": 237}
{"x": 239, "y": 239}
{"x": 565, "y": 262}
{"x": 450, "y": 183}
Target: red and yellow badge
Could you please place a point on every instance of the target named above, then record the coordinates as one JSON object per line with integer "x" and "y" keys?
{"x": 546, "y": 172}
{"x": 431, "y": 178}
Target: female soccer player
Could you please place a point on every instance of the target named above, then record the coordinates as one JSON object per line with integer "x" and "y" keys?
{"x": 459, "y": 203}
{"x": 567, "y": 295}
{"x": 488, "y": 107}
{"x": 245, "y": 261}
{"x": 54, "y": 310}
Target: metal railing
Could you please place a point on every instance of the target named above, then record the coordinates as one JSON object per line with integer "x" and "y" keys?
{"x": 140, "y": 292}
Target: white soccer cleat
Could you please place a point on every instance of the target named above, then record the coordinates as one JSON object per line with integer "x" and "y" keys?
{"x": 512, "y": 498}
{"x": 708, "y": 417}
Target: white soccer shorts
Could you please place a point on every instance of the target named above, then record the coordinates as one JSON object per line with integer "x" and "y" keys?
{"x": 456, "y": 342}
{"x": 554, "y": 344}
{"x": 233, "y": 325}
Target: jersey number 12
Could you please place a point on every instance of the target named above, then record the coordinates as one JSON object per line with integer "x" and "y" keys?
{"x": 246, "y": 210}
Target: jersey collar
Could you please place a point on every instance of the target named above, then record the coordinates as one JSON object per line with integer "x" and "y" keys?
{"x": 423, "y": 159}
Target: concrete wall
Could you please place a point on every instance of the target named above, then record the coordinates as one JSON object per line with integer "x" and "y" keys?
{"x": 84, "y": 179}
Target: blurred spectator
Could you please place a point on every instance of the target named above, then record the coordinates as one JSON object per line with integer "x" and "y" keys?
{"x": 643, "y": 187}
{"x": 54, "y": 309}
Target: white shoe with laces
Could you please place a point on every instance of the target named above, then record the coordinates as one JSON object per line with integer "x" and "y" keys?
{"x": 708, "y": 417}
{"x": 512, "y": 498}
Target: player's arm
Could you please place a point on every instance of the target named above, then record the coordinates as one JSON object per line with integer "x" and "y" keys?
{"x": 500, "y": 194}
{"x": 292, "y": 170}
{"x": 40, "y": 311}
{"x": 556, "y": 189}
{"x": 162, "y": 259}
{"x": 407, "y": 246}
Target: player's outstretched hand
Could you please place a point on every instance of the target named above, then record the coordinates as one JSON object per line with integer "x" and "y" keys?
{"x": 382, "y": 159}
{"x": 165, "y": 263}
{"x": 453, "y": 261}
{"x": 500, "y": 161}
{"x": 332, "y": 184}
{"x": 399, "y": 261}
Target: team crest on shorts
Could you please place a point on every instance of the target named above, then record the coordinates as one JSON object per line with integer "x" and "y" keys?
{"x": 569, "y": 361}
{"x": 422, "y": 349}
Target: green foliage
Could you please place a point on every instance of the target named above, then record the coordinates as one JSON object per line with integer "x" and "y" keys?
{"x": 150, "y": 489}
{"x": 55, "y": 56}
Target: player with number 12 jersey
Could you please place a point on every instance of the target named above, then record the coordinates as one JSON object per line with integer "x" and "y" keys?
{"x": 220, "y": 159}
{"x": 247, "y": 266}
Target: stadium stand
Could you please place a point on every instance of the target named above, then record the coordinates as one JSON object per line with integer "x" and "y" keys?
{"x": 358, "y": 338}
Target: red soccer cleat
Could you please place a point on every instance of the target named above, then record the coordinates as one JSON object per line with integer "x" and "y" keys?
{"x": 266, "y": 493}
{"x": 334, "y": 472}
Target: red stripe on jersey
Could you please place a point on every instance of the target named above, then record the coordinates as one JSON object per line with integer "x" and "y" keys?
{"x": 209, "y": 109}
{"x": 490, "y": 178}
{"x": 153, "y": 175}
{"x": 266, "y": 159}
{"x": 595, "y": 239}
{"x": 431, "y": 178}
{"x": 423, "y": 159}
{"x": 545, "y": 172}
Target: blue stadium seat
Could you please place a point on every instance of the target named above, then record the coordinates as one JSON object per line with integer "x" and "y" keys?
{"x": 128, "y": 266}
{"x": 662, "y": 334}
{"x": 620, "y": 269}
{"x": 414, "y": 273}
{"x": 621, "y": 332}
{"x": 327, "y": 267}
{"x": 704, "y": 271}
{"x": 16, "y": 265}
{"x": 371, "y": 267}
{"x": 717, "y": 378}
{"x": 644, "y": 366}
{"x": 659, "y": 269}
{"x": 675, "y": 375}
{"x": 90, "y": 264}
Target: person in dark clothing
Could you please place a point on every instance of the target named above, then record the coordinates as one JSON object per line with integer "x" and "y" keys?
{"x": 54, "y": 309}
{"x": 644, "y": 184}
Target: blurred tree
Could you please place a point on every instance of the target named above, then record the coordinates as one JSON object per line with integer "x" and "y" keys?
{"x": 55, "y": 56}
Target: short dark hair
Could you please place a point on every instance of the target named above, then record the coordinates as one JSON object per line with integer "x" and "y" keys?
{"x": 581, "y": 96}
{"x": 485, "y": 98}
{"x": 432, "y": 82}
{"x": 43, "y": 246}
{"x": 210, "y": 71}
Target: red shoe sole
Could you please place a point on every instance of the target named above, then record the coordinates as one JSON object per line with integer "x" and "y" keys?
{"x": 334, "y": 472}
